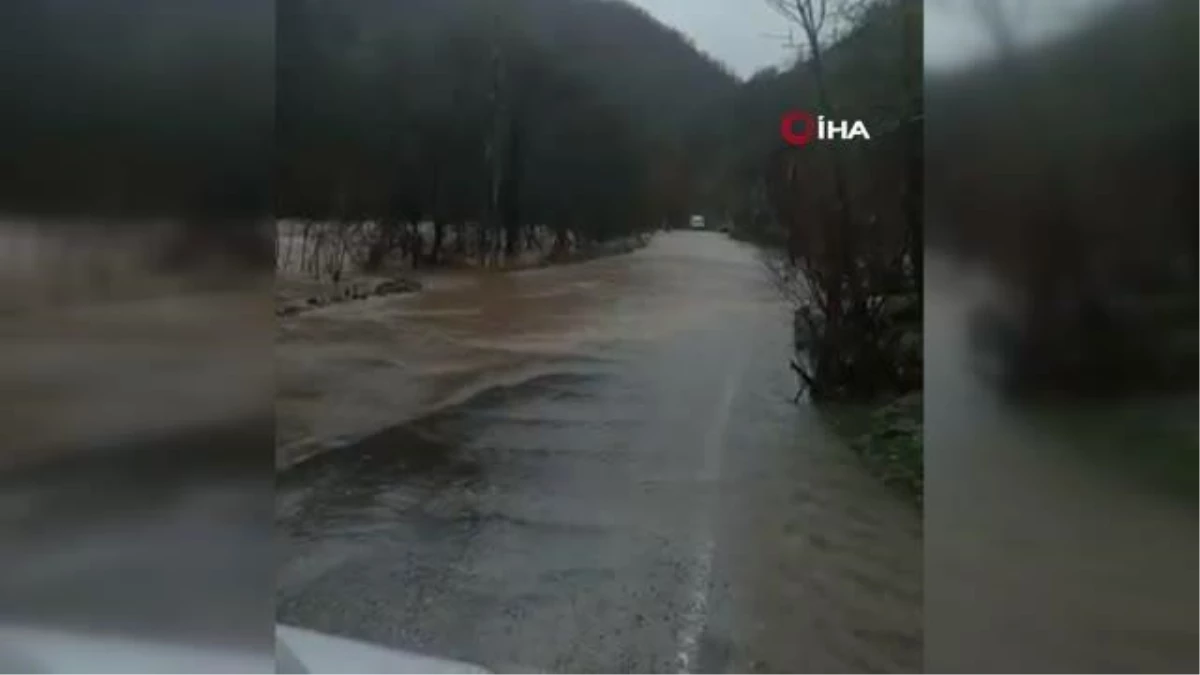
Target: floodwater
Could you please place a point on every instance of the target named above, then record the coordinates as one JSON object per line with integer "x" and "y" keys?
{"x": 135, "y": 500}
{"x": 594, "y": 467}
{"x": 1042, "y": 555}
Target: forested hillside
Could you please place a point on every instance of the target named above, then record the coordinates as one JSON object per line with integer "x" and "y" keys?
{"x": 169, "y": 110}
{"x": 586, "y": 116}
{"x": 580, "y": 115}
{"x": 132, "y": 112}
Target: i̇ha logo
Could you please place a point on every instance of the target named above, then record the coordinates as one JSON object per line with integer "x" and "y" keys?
{"x": 801, "y": 128}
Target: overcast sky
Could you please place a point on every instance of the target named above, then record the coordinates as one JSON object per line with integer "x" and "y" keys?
{"x": 955, "y": 35}
{"x": 735, "y": 31}
{"x": 732, "y": 31}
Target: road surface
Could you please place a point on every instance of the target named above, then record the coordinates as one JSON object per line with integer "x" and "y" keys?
{"x": 626, "y": 486}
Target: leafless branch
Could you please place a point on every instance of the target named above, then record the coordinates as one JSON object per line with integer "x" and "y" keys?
{"x": 822, "y": 21}
{"x": 1001, "y": 20}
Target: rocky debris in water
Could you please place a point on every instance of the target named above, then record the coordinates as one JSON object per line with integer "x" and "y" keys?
{"x": 356, "y": 291}
{"x": 393, "y": 286}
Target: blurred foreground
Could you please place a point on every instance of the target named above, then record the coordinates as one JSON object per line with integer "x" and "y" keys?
{"x": 1062, "y": 313}
{"x": 587, "y": 468}
{"x": 136, "y": 482}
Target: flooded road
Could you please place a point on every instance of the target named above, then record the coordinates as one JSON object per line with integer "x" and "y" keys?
{"x": 1042, "y": 554}
{"x": 594, "y": 467}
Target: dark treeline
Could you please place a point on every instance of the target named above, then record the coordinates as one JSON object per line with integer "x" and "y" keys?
{"x": 138, "y": 110}
{"x": 584, "y": 116}
{"x": 1069, "y": 169}
{"x": 487, "y": 118}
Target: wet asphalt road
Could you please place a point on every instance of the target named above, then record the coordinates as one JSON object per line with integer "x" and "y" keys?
{"x": 637, "y": 493}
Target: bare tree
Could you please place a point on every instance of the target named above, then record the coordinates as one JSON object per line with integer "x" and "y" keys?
{"x": 1000, "y": 18}
{"x": 822, "y": 22}
{"x": 844, "y": 264}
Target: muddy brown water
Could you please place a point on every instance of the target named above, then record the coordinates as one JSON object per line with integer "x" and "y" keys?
{"x": 1042, "y": 554}
{"x": 593, "y": 467}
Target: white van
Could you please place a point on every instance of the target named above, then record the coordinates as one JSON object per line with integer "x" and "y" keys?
{"x": 697, "y": 222}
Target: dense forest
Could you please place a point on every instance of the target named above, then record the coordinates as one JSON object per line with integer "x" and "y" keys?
{"x": 126, "y": 114}
{"x": 486, "y": 119}
{"x": 1069, "y": 169}
{"x": 584, "y": 117}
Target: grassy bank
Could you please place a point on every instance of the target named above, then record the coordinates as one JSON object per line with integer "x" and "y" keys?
{"x": 1150, "y": 441}
{"x": 887, "y": 436}
{"x": 886, "y": 433}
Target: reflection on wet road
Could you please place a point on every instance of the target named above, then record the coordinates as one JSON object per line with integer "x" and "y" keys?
{"x": 623, "y": 486}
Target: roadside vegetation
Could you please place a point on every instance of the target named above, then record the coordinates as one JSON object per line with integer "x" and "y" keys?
{"x": 1160, "y": 431}
{"x": 888, "y": 439}
{"x": 840, "y": 224}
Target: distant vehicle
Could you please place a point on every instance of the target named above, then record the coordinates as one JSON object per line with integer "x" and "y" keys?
{"x": 697, "y": 222}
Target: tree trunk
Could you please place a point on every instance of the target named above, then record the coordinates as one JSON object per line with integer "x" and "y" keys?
{"x": 510, "y": 205}
{"x": 439, "y": 233}
{"x": 416, "y": 242}
{"x": 460, "y": 240}
{"x": 532, "y": 241}
{"x": 914, "y": 152}
{"x": 561, "y": 242}
{"x": 381, "y": 246}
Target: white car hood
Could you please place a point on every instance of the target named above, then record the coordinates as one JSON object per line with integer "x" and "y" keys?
{"x": 321, "y": 653}
{"x": 27, "y": 649}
